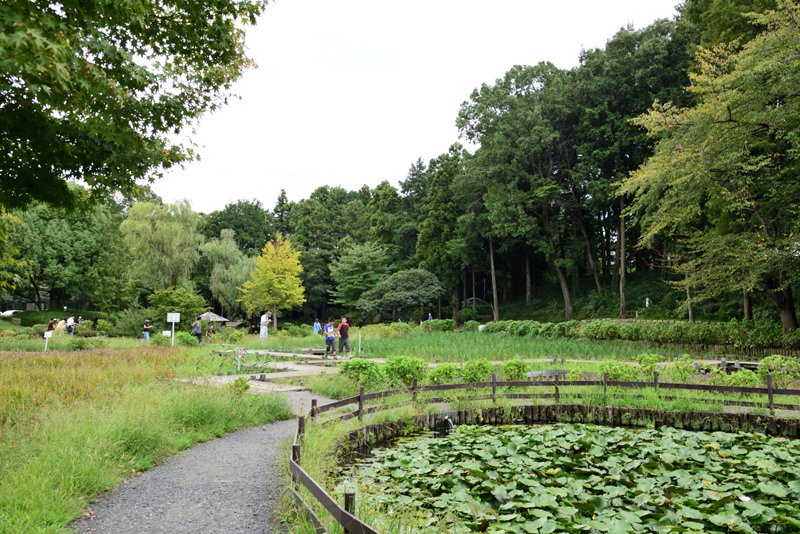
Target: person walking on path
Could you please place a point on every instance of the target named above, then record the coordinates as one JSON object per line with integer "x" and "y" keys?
{"x": 317, "y": 327}
{"x": 344, "y": 337}
{"x": 330, "y": 338}
{"x": 197, "y": 330}
{"x": 146, "y": 327}
{"x": 210, "y": 333}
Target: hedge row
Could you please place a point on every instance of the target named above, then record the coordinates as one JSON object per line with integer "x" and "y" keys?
{"x": 741, "y": 334}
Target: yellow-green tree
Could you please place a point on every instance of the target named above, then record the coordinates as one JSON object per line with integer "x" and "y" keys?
{"x": 275, "y": 282}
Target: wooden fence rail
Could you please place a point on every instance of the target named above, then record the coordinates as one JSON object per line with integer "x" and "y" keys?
{"x": 343, "y": 514}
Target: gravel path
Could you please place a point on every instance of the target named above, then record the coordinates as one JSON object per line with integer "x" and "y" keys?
{"x": 231, "y": 485}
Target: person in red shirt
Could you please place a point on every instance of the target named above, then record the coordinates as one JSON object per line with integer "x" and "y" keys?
{"x": 344, "y": 336}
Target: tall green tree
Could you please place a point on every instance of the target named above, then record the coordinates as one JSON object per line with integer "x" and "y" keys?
{"x": 230, "y": 268}
{"x": 401, "y": 294}
{"x": 252, "y": 225}
{"x": 163, "y": 242}
{"x": 360, "y": 268}
{"x": 94, "y": 91}
{"x": 723, "y": 180}
{"x": 275, "y": 282}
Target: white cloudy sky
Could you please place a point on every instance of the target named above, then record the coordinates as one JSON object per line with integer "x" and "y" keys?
{"x": 351, "y": 92}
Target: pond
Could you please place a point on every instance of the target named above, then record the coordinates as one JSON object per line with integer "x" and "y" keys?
{"x": 580, "y": 478}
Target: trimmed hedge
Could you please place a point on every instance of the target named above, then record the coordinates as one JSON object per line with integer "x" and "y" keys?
{"x": 741, "y": 334}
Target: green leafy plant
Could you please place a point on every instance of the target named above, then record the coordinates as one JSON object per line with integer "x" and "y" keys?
{"x": 477, "y": 371}
{"x": 402, "y": 370}
{"x": 444, "y": 373}
{"x": 362, "y": 372}
{"x": 784, "y": 370}
{"x": 515, "y": 369}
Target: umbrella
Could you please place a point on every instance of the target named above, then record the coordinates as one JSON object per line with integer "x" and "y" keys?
{"x": 213, "y": 317}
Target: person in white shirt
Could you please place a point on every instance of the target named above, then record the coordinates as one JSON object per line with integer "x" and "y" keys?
{"x": 265, "y": 319}
{"x": 70, "y": 324}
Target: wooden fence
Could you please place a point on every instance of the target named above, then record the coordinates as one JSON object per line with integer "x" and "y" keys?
{"x": 343, "y": 514}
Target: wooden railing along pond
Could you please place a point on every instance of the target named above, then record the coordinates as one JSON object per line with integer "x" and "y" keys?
{"x": 344, "y": 514}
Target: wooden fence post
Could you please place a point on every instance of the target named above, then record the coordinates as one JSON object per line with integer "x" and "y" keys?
{"x": 494, "y": 388}
{"x": 655, "y": 379}
{"x": 349, "y": 505}
{"x": 313, "y": 407}
{"x": 555, "y": 386}
{"x": 301, "y": 425}
{"x": 605, "y": 388}
{"x": 770, "y": 395}
{"x": 360, "y": 402}
{"x": 414, "y": 390}
{"x": 296, "y": 453}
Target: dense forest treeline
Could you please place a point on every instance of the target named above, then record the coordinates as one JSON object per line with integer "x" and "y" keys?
{"x": 662, "y": 170}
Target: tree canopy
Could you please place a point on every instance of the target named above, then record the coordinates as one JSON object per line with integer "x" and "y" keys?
{"x": 275, "y": 282}
{"x": 95, "y": 91}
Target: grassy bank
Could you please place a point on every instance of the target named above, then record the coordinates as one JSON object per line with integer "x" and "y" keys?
{"x": 73, "y": 425}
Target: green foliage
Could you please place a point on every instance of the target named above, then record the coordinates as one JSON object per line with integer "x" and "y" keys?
{"x": 444, "y": 373}
{"x": 230, "y": 268}
{"x": 129, "y": 322}
{"x": 467, "y": 314}
{"x": 784, "y": 370}
{"x": 619, "y": 371}
{"x": 275, "y": 281}
{"x": 402, "y": 290}
{"x": 239, "y": 387}
{"x": 106, "y": 327}
{"x": 183, "y": 301}
{"x": 360, "y": 268}
{"x": 515, "y": 369}
{"x": 479, "y": 370}
{"x": 470, "y": 326}
{"x": 366, "y": 373}
{"x": 440, "y": 325}
{"x": 251, "y": 224}
{"x": 95, "y": 93}
{"x": 649, "y": 362}
{"x": 533, "y": 479}
{"x": 183, "y": 339}
{"x": 163, "y": 242}
{"x": 402, "y": 370}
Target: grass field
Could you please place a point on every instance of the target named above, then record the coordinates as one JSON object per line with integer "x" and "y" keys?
{"x": 73, "y": 425}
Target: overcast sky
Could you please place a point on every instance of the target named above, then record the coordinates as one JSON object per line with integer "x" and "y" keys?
{"x": 351, "y": 92}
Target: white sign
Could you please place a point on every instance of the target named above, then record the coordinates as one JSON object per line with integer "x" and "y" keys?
{"x": 166, "y": 333}
{"x": 173, "y": 317}
{"x": 48, "y": 334}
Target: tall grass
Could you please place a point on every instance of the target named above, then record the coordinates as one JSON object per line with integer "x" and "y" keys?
{"x": 73, "y": 425}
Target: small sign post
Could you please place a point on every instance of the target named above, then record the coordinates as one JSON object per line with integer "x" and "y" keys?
{"x": 173, "y": 318}
{"x": 47, "y": 336}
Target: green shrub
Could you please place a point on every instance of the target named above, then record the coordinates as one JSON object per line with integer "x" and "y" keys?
{"x": 366, "y": 373}
{"x": 495, "y": 327}
{"x": 743, "y": 378}
{"x": 471, "y": 326}
{"x": 37, "y": 330}
{"x": 514, "y": 369}
{"x": 444, "y": 373}
{"x": 84, "y": 343}
{"x": 185, "y": 339}
{"x": 467, "y": 314}
{"x": 129, "y": 322}
{"x": 649, "y": 362}
{"x": 791, "y": 340}
{"x": 230, "y": 335}
{"x": 567, "y": 329}
{"x": 401, "y": 328}
{"x": 631, "y": 331}
{"x": 402, "y": 370}
{"x": 600, "y": 329}
{"x": 681, "y": 371}
{"x": 106, "y": 327}
{"x": 618, "y": 370}
{"x": 183, "y": 301}
{"x": 379, "y": 331}
{"x": 7, "y": 333}
{"x": 784, "y": 370}
{"x": 477, "y": 371}
{"x": 440, "y": 325}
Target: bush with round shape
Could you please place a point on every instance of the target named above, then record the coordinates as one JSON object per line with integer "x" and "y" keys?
{"x": 444, "y": 373}
{"x": 440, "y": 325}
{"x": 477, "y": 371}
{"x": 514, "y": 369}
{"x": 784, "y": 370}
{"x": 362, "y": 372}
{"x": 402, "y": 370}
{"x": 471, "y": 326}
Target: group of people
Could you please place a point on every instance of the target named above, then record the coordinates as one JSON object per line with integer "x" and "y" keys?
{"x": 68, "y": 324}
{"x": 197, "y": 330}
{"x": 331, "y": 333}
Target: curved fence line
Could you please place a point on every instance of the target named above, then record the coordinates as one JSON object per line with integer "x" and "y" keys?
{"x": 344, "y": 515}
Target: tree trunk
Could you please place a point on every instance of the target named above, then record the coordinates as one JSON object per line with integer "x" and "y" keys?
{"x": 748, "y": 306}
{"x": 474, "y": 292}
{"x": 621, "y": 259}
{"x": 39, "y": 302}
{"x": 274, "y": 318}
{"x": 562, "y": 281}
{"x": 496, "y": 305}
{"x": 439, "y": 308}
{"x": 528, "y": 281}
{"x": 590, "y": 257}
{"x": 689, "y": 298}
{"x": 57, "y": 298}
{"x": 455, "y": 303}
{"x": 784, "y": 301}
